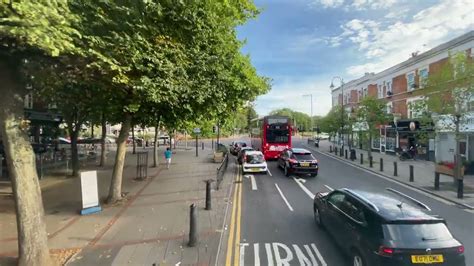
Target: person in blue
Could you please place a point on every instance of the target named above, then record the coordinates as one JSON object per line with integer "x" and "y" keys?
{"x": 168, "y": 154}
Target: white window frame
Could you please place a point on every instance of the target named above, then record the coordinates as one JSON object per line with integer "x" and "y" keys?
{"x": 408, "y": 102}
{"x": 389, "y": 86}
{"x": 410, "y": 88}
{"x": 379, "y": 91}
{"x": 422, "y": 81}
{"x": 389, "y": 107}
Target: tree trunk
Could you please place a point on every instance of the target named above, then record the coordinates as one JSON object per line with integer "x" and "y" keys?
{"x": 369, "y": 148}
{"x": 102, "y": 141}
{"x": 133, "y": 139}
{"x": 92, "y": 131}
{"x": 74, "y": 133}
{"x": 32, "y": 237}
{"x": 155, "y": 147}
{"x": 115, "y": 192}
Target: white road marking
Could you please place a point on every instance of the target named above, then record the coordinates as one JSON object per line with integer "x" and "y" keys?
{"x": 242, "y": 253}
{"x": 304, "y": 261}
{"x": 328, "y": 187}
{"x": 268, "y": 248}
{"x": 268, "y": 171}
{"x": 283, "y": 197}
{"x": 256, "y": 254}
{"x": 394, "y": 181}
{"x": 301, "y": 180}
{"x": 279, "y": 260}
{"x": 305, "y": 189}
{"x": 323, "y": 263}
{"x": 254, "y": 184}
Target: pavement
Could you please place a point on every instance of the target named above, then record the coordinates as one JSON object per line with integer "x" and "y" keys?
{"x": 423, "y": 174}
{"x": 150, "y": 226}
{"x": 273, "y": 224}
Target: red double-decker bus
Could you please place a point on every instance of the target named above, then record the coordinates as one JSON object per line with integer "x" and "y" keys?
{"x": 271, "y": 135}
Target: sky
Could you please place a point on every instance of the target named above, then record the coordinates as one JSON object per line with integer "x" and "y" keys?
{"x": 302, "y": 44}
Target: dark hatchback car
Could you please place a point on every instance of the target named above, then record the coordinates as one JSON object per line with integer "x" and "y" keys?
{"x": 386, "y": 229}
{"x": 298, "y": 161}
{"x": 235, "y": 146}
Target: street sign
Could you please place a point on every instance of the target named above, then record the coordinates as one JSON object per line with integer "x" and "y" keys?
{"x": 197, "y": 130}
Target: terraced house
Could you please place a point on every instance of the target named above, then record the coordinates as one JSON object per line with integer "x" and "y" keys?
{"x": 400, "y": 86}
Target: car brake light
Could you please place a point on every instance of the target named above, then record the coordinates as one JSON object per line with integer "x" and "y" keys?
{"x": 293, "y": 161}
{"x": 385, "y": 251}
{"x": 460, "y": 249}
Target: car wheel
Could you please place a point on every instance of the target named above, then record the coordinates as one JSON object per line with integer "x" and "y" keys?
{"x": 357, "y": 259}
{"x": 317, "y": 217}
{"x": 286, "y": 171}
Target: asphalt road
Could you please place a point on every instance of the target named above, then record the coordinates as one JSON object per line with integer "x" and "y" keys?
{"x": 277, "y": 224}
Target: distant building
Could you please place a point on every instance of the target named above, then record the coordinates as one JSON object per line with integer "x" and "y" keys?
{"x": 401, "y": 85}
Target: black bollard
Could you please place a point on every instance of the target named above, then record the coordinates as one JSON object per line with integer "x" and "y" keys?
{"x": 361, "y": 158}
{"x": 436, "y": 184}
{"x": 395, "y": 169}
{"x": 330, "y": 148}
{"x": 341, "y": 152}
{"x": 335, "y": 150}
{"x": 381, "y": 164}
{"x": 412, "y": 177}
{"x": 460, "y": 188}
{"x": 371, "y": 163}
{"x": 202, "y": 145}
{"x": 208, "y": 194}
{"x": 192, "y": 225}
{"x": 345, "y": 154}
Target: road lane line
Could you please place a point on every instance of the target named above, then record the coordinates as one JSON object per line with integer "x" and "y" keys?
{"x": 282, "y": 261}
{"x": 323, "y": 263}
{"x": 283, "y": 197}
{"x": 268, "y": 171}
{"x": 306, "y": 190}
{"x": 328, "y": 187}
{"x": 254, "y": 184}
{"x": 256, "y": 254}
{"x": 242, "y": 253}
{"x": 230, "y": 241}
{"x": 268, "y": 248}
{"x": 237, "y": 228}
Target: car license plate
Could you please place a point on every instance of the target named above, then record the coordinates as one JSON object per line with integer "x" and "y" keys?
{"x": 304, "y": 164}
{"x": 427, "y": 259}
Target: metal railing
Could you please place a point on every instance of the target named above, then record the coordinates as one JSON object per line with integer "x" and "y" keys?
{"x": 221, "y": 170}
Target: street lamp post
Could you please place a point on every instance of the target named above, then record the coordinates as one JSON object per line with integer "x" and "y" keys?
{"x": 311, "y": 120}
{"x": 342, "y": 107}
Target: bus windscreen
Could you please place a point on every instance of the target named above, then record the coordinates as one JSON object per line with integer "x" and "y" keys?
{"x": 277, "y": 135}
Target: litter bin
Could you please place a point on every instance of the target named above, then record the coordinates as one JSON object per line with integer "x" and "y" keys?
{"x": 353, "y": 154}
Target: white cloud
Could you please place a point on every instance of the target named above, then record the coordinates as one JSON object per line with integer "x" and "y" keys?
{"x": 289, "y": 92}
{"x": 357, "y": 4}
{"x": 385, "y": 45}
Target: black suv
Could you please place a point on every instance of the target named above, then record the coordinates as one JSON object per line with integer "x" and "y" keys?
{"x": 386, "y": 229}
{"x": 298, "y": 161}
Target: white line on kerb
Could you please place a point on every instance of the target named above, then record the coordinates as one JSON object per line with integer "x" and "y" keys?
{"x": 254, "y": 184}
{"x": 305, "y": 189}
{"x": 328, "y": 187}
{"x": 283, "y": 197}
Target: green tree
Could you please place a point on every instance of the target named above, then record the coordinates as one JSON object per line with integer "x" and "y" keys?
{"x": 28, "y": 29}
{"x": 449, "y": 98}
{"x": 331, "y": 123}
{"x": 371, "y": 113}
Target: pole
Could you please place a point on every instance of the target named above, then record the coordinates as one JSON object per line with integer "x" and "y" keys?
{"x": 218, "y": 133}
{"x": 192, "y": 225}
{"x": 208, "y": 194}
{"x": 197, "y": 153}
{"x": 186, "y": 140}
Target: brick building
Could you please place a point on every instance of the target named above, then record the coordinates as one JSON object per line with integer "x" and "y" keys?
{"x": 400, "y": 86}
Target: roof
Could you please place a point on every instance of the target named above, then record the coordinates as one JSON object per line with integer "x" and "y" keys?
{"x": 299, "y": 150}
{"x": 254, "y": 152}
{"x": 392, "y": 207}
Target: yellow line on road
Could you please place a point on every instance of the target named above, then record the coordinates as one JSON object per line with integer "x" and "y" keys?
{"x": 237, "y": 230}
{"x": 230, "y": 242}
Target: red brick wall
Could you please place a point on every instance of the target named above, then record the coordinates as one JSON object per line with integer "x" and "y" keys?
{"x": 354, "y": 96}
{"x": 372, "y": 90}
{"x": 399, "y": 84}
{"x": 400, "y": 107}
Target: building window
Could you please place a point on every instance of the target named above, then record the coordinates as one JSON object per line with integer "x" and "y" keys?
{"x": 410, "y": 81}
{"x": 389, "y": 107}
{"x": 29, "y": 101}
{"x": 365, "y": 92}
{"x": 423, "y": 74}
{"x": 380, "y": 91}
{"x": 415, "y": 107}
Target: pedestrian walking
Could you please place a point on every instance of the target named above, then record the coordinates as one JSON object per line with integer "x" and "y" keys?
{"x": 168, "y": 154}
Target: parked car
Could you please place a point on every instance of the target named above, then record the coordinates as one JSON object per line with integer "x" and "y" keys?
{"x": 298, "y": 161}
{"x": 386, "y": 229}
{"x": 236, "y": 145}
{"x": 241, "y": 154}
{"x": 254, "y": 161}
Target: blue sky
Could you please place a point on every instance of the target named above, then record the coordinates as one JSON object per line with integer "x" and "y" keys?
{"x": 302, "y": 44}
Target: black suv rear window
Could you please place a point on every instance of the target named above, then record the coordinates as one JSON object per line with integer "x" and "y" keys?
{"x": 303, "y": 156}
{"x": 416, "y": 232}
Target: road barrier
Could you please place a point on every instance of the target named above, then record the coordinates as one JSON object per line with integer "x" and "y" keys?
{"x": 345, "y": 154}
{"x": 460, "y": 188}
{"x": 221, "y": 170}
{"x": 330, "y": 148}
{"x": 361, "y": 158}
{"x": 436, "y": 183}
{"x": 412, "y": 175}
{"x": 371, "y": 163}
{"x": 192, "y": 225}
{"x": 381, "y": 164}
{"x": 395, "y": 169}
